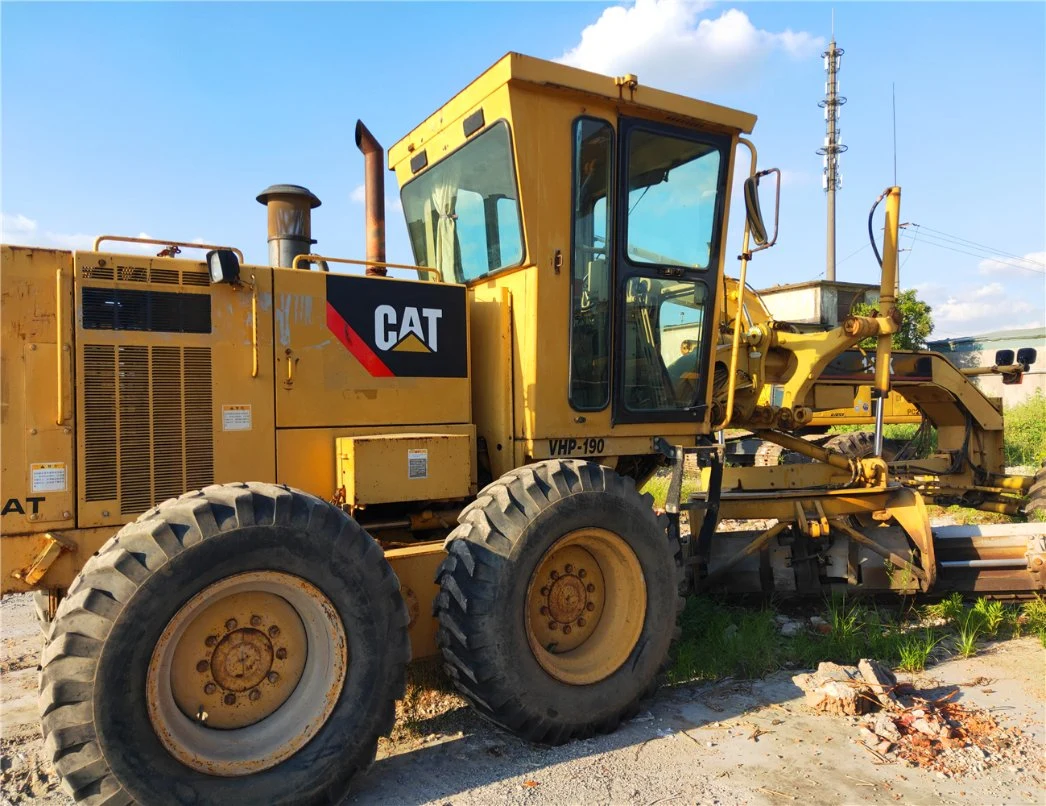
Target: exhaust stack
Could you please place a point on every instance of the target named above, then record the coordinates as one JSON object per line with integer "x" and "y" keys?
{"x": 374, "y": 185}
{"x": 290, "y": 222}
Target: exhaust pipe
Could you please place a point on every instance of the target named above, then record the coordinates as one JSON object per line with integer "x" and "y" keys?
{"x": 374, "y": 186}
{"x": 290, "y": 222}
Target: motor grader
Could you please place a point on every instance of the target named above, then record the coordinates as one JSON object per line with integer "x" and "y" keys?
{"x": 253, "y": 493}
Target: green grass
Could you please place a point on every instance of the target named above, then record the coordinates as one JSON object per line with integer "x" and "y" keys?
{"x": 949, "y": 609}
{"x": 1033, "y": 617}
{"x": 721, "y": 639}
{"x": 1025, "y": 437}
{"x": 657, "y": 486}
{"x": 992, "y": 613}
{"x": 969, "y": 628}
{"x": 914, "y": 650}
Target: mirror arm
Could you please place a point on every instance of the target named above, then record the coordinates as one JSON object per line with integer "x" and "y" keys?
{"x": 745, "y": 256}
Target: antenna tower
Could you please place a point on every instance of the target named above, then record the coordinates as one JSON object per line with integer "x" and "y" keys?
{"x": 831, "y": 180}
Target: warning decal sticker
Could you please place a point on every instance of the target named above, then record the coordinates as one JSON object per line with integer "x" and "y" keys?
{"x": 48, "y": 477}
{"x": 236, "y": 418}
{"x": 417, "y": 463}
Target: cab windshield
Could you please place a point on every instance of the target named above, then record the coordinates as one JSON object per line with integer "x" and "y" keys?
{"x": 463, "y": 213}
{"x": 673, "y": 190}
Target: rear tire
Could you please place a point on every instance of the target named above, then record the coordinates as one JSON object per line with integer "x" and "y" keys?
{"x": 1035, "y": 504}
{"x": 115, "y": 734}
{"x": 558, "y": 553}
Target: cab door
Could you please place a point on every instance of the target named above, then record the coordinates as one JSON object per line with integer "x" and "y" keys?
{"x": 671, "y": 189}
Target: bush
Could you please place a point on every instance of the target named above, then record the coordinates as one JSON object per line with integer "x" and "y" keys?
{"x": 1026, "y": 432}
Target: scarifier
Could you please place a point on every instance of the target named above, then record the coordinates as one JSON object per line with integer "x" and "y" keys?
{"x": 243, "y": 491}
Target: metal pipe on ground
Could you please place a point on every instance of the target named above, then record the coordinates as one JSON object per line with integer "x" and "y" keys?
{"x": 374, "y": 191}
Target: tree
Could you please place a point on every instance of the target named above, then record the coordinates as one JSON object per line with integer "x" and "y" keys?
{"x": 916, "y": 322}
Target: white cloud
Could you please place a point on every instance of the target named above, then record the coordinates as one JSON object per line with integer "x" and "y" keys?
{"x": 14, "y": 225}
{"x": 990, "y": 290}
{"x": 669, "y": 44}
{"x": 16, "y": 228}
{"x": 392, "y": 200}
{"x": 1035, "y": 261}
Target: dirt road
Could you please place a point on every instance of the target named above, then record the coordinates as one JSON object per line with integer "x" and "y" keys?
{"x": 732, "y": 742}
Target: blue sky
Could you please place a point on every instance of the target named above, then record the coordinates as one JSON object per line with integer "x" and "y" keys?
{"x": 168, "y": 119}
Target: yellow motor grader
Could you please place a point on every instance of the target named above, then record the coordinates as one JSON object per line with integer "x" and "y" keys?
{"x": 252, "y": 493}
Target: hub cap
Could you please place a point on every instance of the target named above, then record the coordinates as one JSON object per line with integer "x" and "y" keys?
{"x": 585, "y": 606}
{"x": 246, "y": 672}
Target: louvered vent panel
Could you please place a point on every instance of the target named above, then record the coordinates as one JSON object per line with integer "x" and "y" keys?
{"x": 196, "y": 278}
{"x": 100, "y": 422}
{"x": 199, "y": 418}
{"x": 96, "y": 272}
{"x": 168, "y": 431}
{"x": 132, "y": 274}
{"x": 135, "y": 447}
{"x": 168, "y": 276}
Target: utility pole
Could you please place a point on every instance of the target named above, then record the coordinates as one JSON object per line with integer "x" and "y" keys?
{"x": 831, "y": 181}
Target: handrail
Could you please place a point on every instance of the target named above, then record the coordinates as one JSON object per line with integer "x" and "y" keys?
{"x": 376, "y": 263}
{"x": 60, "y": 345}
{"x": 187, "y": 244}
{"x": 731, "y": 383}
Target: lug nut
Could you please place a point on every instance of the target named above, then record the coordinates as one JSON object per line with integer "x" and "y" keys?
{"x": 210, "y": 688}
{"x": 566, "y": 630}
{"x": 581, "y": 622}
{"x": 553, "y": 626}
{"x": 272, "y": 677}
{"x": 554, "y": 575}
{"x": 230, "y": 699}
{"x": 230, "y": 624}
{"x": 544, "y": 611}
{"x": 211, "y": 640}
{"x": 545, "y": 591}
{"x": 582, "y": 573}
{"x": 255, "y": 621}
{"x": 590, "y": 587}
{"x": 281, "y": 653}
{"x": 590, "y": 606}
{"x": 254, "y": 695}
{"x": 202, "y": 666}
{"x": 568, "y": 568}
{"x": 274, "y": 631}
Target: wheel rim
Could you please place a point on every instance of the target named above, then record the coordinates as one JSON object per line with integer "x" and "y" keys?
{"x": 585, "y": 606}
{"x": 246, "y": 673}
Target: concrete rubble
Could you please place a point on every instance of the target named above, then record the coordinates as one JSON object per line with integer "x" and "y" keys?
{"x": 899, "y": 724}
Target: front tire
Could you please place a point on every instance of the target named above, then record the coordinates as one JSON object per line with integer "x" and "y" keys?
{"x": 558, "y": 602}
{"x": 243, "y": 643}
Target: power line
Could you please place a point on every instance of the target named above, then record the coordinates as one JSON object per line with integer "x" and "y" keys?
{"x": 946, "y": 236}
{"x": 978, "y": 252}
{"x": 982, "y": 256}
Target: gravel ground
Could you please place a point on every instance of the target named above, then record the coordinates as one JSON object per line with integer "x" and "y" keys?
{"x": 731, "y": 742}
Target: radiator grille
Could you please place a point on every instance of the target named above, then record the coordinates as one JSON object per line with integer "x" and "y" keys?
{"x": 148, "y": 431}
{"x": 154, "y": 311}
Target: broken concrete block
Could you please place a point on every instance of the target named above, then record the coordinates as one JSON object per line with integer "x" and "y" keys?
{"x": 885, "y": 727}
{"x": 835, "y": 689}
{"x": 881, "y": 681}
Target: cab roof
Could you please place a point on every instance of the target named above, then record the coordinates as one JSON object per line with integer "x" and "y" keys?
{"x": 517, "y": 68}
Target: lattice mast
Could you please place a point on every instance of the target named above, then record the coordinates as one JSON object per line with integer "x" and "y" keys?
{"x": 831, "y": 179}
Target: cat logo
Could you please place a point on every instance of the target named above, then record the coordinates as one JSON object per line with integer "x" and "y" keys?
{"x": 416, "y": 331}
{"x": 400, "y": 329}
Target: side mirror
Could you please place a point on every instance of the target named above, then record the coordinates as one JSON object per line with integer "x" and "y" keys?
{"x": 223, "y": 266}
{"x": 753, "y": 209}
{"x": 1003, "y": 358}
{"x": 1027, "y": 356}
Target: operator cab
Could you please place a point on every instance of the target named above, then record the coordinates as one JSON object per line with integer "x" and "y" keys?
{"x": 599, "y": 205}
